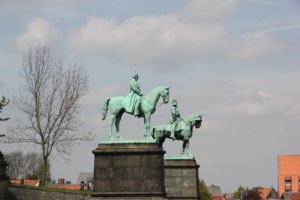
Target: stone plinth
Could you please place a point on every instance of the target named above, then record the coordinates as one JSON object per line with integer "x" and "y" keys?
{"x": 129, "y": 171}
{"x": 181, "y": 179}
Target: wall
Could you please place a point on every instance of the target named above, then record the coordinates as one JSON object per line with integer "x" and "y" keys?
{"x": 18, "y": 193}
{"x": 65, "y": 186}
{"x": 288, "y": 166}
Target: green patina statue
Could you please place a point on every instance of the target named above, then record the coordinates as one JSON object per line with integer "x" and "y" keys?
{"x": 133, "y": 99}
{"x": 135, "y": 104}
{"x": 178, "y": 128}
{"x": 175, "y": 118}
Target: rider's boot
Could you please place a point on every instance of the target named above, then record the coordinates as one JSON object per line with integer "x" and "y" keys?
{"x": 172, "y": 135}
{"x": 136, "y": 109}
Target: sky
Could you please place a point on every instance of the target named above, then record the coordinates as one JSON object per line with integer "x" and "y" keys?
{"x": 236, "y": 62}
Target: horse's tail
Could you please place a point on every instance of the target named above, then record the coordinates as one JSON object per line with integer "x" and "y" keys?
{"x": 105, "y": 108}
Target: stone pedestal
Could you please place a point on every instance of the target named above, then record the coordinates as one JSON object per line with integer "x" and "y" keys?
{"x": 181, "y": 179}
{"x": 129, "y": 171}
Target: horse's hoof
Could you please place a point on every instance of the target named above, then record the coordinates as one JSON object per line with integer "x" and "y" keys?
{"x": 119, "y": 137}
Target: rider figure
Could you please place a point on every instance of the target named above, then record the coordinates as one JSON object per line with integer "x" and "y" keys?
{"x": 175, "y": 118}
{"x": 136, "y": 93}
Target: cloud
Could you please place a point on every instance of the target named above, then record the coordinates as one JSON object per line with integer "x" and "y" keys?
{"x": 293, "y": 112}
{"x": 201, "y": 10}
{"x": 194, "y": 34}
{"x": 155, "y": 39}
{"x": 282, "y": 28}
{"x": 255, "y": 45}
{"x": 38, "y": 2}
{"x": 257, "y": 103}
{"x": 39, "y": 32}
{"x": 95, "y": 96}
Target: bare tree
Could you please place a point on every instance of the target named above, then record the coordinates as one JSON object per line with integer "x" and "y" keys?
{"x": 50, "y": 99}
{"x": 3, "y": 103}
{"x": 20, "y": 165}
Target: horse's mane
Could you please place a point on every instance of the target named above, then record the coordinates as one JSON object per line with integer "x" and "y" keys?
{"x": 155, "y": 90}
{"x": 193, "y": 118}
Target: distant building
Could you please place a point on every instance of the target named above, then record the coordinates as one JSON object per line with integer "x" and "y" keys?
{"x": 268, "y": 193}
{"x": 215, "y": 192}
{"x": 291, "y": 196}
{"x": 288, "y": 174}
{"x": 228, "y": 196}
{"x": 86, "y": 180}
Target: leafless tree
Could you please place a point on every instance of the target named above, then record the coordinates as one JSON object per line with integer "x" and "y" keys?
{"x": 20, "y": 165}
{"x": 3, "y": 103}
{"x": 15, "y": 166}
{"x": 50, "y": 99}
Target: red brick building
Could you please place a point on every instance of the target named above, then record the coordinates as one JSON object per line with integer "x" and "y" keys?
{"x": 267, "y": 193}
{"x": 288, "y": 174}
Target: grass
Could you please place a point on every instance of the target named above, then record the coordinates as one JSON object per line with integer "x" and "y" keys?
{"x": 79, "y": 192}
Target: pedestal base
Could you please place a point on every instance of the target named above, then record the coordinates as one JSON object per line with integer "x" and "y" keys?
{"x": 181, "y": 179}
{"x": 129, "y": 171}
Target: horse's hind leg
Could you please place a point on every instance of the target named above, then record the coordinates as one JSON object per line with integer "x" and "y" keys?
{"x": 111, "y": 122}
{"x": 147, "y": 117}
{"x": 117, "y": 123}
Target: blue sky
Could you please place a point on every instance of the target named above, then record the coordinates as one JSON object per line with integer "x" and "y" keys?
{"x": 235, "y": 62}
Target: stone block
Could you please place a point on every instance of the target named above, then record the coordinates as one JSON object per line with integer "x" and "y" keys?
{"x": 130, "y": 170}
{"x": 181, "y": 179}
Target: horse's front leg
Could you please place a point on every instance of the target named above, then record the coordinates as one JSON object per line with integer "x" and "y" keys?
{"x": 184, "y": 143}
{"x": 186, "y": 147}
{"x": 147, "y": 117}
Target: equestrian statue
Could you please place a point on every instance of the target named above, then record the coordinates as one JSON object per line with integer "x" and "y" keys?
{"x": 135, "y": 104}
{"x": 177, "y": 129}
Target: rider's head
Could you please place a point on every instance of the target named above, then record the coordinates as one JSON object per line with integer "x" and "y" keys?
{"x": 135, "y": 76}
{"x": 174, "y": 102}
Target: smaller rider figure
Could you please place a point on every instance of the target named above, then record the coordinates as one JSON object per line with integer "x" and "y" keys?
{"x": 175, "y": 118}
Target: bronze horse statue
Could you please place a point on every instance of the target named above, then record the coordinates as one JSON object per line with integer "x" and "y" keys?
{"x": 147, "y": 106}
{"x": 183, "y": 131}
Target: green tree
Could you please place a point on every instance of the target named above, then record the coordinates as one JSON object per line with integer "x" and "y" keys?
{"x": 238, "y": 193}
{"x": 245, "y": 193}
{"x": 253, "y": 194}
{"x": 204, "y": 194}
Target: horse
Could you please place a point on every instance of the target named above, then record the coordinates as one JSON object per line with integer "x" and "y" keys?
{"x": 183, "y": 131}
{"x": 147, "y": 107}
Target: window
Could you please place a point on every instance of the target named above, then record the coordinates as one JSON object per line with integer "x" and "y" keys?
{"x": 288, "y": 184}
{"x": 299, "y": 184}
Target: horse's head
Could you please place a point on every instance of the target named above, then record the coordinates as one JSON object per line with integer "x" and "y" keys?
{"x": 165, "y": 94}
{"x": 195, "y": 120}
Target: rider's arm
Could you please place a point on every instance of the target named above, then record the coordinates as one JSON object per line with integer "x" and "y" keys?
{"x": 135, "y": 87}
